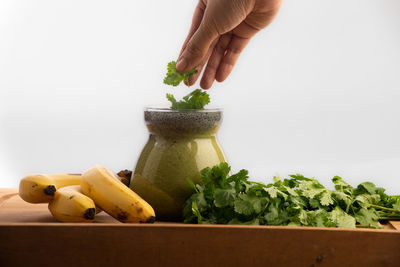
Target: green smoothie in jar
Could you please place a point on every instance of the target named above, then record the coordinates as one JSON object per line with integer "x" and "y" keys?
{"x": 181, "y": 143}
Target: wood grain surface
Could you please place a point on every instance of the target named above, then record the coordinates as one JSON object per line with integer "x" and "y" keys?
{"x": 29, "y": 236}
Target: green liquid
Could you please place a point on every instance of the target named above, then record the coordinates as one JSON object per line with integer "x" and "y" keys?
{"x": 164, "y": 165}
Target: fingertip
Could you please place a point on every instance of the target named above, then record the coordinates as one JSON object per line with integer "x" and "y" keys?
{"x": 206, "y": 83}
{"x": 204, "y": 88}
{"x": 192, "y": 79}
{"x": 223, "y": 71}
{"x": 190, "y": 82}
{"x": 220, "y": 79}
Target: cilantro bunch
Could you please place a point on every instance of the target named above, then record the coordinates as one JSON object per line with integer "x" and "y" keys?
{"x": 221, "y": 198}
{"x": 195, "y": 100}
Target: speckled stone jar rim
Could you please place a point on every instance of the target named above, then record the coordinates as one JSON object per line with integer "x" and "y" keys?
{"x": 168, "y": 122}
{"x": 165, "y": 109}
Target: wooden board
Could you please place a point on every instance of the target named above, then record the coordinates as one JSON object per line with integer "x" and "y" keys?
{"x": 29, "y": 236}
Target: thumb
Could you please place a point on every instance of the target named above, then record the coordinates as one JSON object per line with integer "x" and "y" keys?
{"x": 196, "y": 49}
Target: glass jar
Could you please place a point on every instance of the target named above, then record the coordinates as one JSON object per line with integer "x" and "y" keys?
{"x": 180, "y": 145}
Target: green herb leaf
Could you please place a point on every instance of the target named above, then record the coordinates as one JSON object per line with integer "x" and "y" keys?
{"x": 243, "y": 207}
{"x": 272, "y": 191}
{"x": 366, "y": 187}
{"x": 171, "y": 98}
{"x": 195, "y": 100}
{"x": 341, "y": 185}
{"x": 311, "y": 188}
{"x": 174, "y": 77}
{"x": 342, "y": 219}
{"x": 367, "y": 218}
{"x": 326, "y": 198}
{"x": 224, "y": 197}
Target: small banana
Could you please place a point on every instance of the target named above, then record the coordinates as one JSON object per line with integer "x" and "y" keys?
{"x": 40, "y": 188}
{"x": 70, "y": 205}
{"x": 115, "y": 198}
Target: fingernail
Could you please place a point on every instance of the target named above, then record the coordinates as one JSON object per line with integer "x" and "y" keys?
{"x": 181, "y": 65}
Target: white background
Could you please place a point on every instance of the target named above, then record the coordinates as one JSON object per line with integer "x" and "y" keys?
{"x": 317, "y": 92}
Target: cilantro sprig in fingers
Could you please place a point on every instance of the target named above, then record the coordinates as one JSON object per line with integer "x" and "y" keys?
{"x": 197, "y": 99}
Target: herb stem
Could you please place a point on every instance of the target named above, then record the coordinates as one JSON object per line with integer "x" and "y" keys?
{"x": 382, "y": 208}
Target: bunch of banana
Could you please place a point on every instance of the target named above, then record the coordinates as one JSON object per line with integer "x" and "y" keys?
{"x": 41, "y": 188}
{"x": 111, "y": 195}
{"x": 62, "y": 192}
{"x": 77, "y": 198}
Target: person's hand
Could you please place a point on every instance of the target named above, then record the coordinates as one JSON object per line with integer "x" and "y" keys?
{"x": 219, "y": 32}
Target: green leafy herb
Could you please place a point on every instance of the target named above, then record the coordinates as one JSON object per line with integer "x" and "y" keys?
{"x": 174, "y": 77}
{"x": 221, "y": 198}
{"x": 195, "y": 100}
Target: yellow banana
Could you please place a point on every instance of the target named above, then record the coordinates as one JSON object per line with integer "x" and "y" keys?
{"x": 40, "y": 188}
{"x": 115, "y": 198}
{"x": 70, "y": 205}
